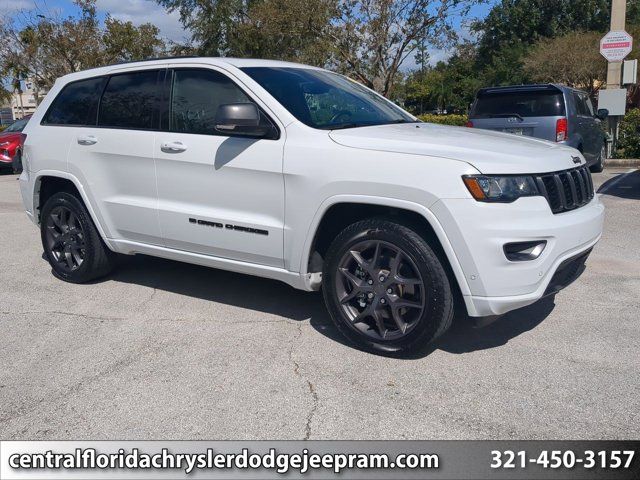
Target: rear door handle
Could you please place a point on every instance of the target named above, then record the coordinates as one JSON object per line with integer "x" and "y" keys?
{"x": 173, "y": 147}
{"x": 87, "y": 140}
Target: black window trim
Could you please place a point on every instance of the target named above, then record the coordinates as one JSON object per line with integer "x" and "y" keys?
{"x": 164, "y": 82}
{"x": 169, "y": 90}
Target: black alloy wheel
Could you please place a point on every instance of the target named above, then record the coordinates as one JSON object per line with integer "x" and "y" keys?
{"x": 385, "y": 288}
{"x": 380, "y": 290}
{"x": 65, "y": 238}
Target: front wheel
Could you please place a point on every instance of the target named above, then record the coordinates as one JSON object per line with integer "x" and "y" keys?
{"x": 385, "y": 288}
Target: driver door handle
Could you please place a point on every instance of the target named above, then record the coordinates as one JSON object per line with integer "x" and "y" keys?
{"x": 87, "y": 140}
{"x": 173, "y": 147}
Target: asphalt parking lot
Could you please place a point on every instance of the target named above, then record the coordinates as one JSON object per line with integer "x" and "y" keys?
{"x": 163, "y": 350}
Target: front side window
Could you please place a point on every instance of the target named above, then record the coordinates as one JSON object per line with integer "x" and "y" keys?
{"x": 131, "y": 100}
{"x": 326, "y": 100}
{"x": 196, "y": 96}
{"x": 76, "y": 104}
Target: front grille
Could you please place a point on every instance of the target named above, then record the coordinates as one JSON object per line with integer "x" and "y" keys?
{"x": 566, "y": 190}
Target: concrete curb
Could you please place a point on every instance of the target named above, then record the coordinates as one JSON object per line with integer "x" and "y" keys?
{"x": 622, "y": 162}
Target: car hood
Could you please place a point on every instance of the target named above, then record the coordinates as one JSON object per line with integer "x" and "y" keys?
{"x": 489, "y": 152}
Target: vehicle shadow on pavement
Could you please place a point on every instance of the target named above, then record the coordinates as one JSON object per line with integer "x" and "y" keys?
{"x": 273, "y": 297}
{"x": 463, "y": 337}
{"x": 628, "y": 187}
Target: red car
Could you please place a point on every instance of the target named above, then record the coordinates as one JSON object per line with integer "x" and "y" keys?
{"x": 11, "y": 144}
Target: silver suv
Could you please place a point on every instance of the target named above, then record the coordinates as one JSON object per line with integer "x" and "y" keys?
{"x": 551, "y": 112}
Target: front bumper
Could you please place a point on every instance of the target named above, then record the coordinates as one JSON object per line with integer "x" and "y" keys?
{"x": 478, "y": 232}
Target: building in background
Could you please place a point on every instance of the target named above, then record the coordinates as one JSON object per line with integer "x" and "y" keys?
{"x": 6, "y": 115}
{"x": 24, "y": 103}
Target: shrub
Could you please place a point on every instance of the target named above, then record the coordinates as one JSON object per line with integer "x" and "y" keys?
{"x": 455, "y": 120}
{"x": 629, "y": 136}
{"x": 2, "y": 127}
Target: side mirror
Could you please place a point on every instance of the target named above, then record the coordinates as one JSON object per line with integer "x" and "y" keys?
{"x": 602, "y": 113}
{"x": 240, "y": 119}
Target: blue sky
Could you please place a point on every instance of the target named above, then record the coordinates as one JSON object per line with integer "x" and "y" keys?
{"x": 142, "y": 11}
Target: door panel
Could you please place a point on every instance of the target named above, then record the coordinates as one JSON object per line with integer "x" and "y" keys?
{"x": 115, "y": 159}
{"x": 119, "y": 172}
{"x": 218, "y": 195}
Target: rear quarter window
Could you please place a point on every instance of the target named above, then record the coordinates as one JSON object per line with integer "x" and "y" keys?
{"x": 76, "y": 104}
{"x": 525, "y": 104}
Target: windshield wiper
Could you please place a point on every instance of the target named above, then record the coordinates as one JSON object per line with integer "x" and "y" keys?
{"x": 340, "y": 126}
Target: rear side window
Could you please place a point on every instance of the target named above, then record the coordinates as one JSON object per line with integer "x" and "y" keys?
{"x": 526, "y": 104}
{"x": 584, "y": 107}
{"x": 131, "y": 100}
{"x": 196, "y": 96}
{"x": 76, "y": 104}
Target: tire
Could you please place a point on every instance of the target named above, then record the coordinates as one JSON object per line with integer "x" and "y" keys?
{"x": 599, "y": 165}
{"x": 354, "y": 294}
{"x": 71, "y": 241}
{"x": 17, "y": 162}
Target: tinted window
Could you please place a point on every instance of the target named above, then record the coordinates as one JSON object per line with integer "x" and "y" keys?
{"x": 525, "y": 104}
{"x": 131, "y": 100}
{"x": 325, "y": 100}
{"x": 196, "y": 96}
{"x": 589, "y": 105}
{"x": 76, "y": 104}
{"x": 584, "y": 106}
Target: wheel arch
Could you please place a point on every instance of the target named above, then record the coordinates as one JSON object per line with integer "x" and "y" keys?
{"x": 338, "y": 212}
{"x": 47, "y": 183}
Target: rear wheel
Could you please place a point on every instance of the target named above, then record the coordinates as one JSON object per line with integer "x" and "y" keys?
{"x": 385, "y": 288}
{"x": 599, "y": 165}
{"x": 17, "y": 162}
{"x": 71, "y": 242}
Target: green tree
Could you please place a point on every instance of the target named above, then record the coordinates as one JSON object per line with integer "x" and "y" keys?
{"x": 44, "y": 49}
{"x": 583, "y": 68}
{"x": 513, "y": 26}
{"x": 527, "y": 21}
{"x": 123, "y": 41}
{"x": 448, "y": 86}
{"x": 366, "y": 39}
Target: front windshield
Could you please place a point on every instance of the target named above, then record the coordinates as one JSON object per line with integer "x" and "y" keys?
{"x": 326, "y": 100}
{"x": 17, "y": 126}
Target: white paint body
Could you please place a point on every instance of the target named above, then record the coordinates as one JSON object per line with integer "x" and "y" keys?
{"x": 141, "y": 198}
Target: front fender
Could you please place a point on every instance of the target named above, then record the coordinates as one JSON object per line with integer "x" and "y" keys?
{"x": 422, "y": 210}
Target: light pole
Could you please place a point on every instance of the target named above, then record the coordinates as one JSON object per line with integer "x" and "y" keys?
{"x": 618, "y": 23}
{"x": 614, "y": 69}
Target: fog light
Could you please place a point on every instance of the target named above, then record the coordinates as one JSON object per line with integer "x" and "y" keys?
{"x": 524, "y": 251}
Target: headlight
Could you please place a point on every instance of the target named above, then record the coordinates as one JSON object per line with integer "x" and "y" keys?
{"x": 499, "y": 188}
{"x": 4, "y": 144}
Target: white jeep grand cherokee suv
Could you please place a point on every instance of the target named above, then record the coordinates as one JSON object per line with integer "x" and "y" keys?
{"x": 298, "y": 174}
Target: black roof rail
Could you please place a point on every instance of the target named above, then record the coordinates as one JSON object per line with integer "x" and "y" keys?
{"x": 154, "y": 59}
{"x": 520, "y": 88}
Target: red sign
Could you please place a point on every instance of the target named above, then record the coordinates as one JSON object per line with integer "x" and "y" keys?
{"x": 615, "y": 46}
